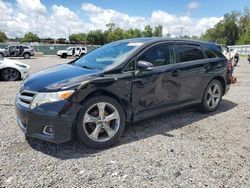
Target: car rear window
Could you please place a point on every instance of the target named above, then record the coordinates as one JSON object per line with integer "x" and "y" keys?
{"x": 188, "y": 52}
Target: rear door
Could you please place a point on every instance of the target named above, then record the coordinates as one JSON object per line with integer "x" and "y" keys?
{"x": 190, "y": 70}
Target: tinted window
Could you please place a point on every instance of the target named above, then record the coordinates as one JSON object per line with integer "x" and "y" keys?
{"x": 215, "y": 49}
{"x": 189, "y": 52}
{"x": 209, "y": 54}
{"x": 159, "y": 55}
{"x": 130, "y": 67}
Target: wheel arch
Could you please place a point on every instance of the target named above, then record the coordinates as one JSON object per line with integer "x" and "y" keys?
{"x": 101, "y": 92}
{"x": 222, "y": 81}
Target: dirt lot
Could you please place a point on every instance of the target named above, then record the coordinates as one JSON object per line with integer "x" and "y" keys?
{"x": 181, "y": 149}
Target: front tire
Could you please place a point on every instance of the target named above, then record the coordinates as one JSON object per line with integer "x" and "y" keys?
{"x": 212, "y": 96}
{"x": 100, "y": 122}
{"x": 10, "y": 74}
{"x": 1, "y": 56}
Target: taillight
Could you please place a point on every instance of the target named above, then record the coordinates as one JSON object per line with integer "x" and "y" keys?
{"x": 229, "y": 66}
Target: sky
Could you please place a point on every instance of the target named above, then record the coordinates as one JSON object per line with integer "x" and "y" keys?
{"x": 56, "y": 18}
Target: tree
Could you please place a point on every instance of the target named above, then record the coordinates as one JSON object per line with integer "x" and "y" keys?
{"x": 117, "y": 34}
{"x": 158, "y": 31}
{"x": 110, "y": 26}
{"x": 78, "y": 37}
{"x": 30, "y": 37}
{"x": 148, "y": 31}
{"x": 96, "y": 37}
{"x": 3, "y": 37}
{"x": 245, "y": 37}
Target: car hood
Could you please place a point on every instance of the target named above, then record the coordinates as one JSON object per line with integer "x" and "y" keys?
{"x": 62, "y": 51}
{"x": 2, "y": 50}
{"x": 58, "y": 77}
{"x": 12, "y": 63}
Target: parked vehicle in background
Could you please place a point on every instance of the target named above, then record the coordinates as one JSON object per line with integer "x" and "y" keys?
{"x": 17, "y": 51}
{"x": 230, "y": 54}
{"x": 72, "y": 51}
{"x": 12, "y": 70}
{"x": 93, "y": 97}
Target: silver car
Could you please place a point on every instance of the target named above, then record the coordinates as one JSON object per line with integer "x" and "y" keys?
{"x": 17, "y": 51}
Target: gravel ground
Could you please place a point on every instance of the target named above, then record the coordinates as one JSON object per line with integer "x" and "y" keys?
{"x": 181, "y": 149}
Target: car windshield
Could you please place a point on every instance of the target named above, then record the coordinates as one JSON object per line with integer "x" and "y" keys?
{"x": 69, "y": 48}
{"x": 107, "y": 56}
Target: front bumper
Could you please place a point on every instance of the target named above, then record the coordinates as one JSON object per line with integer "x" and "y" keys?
{"x": 24, "y": 73}
{"x": 59, "y": 115}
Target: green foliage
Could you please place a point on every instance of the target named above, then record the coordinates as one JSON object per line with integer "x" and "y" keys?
{"x": 233, "y": 29}
{"x": 3, "y": 37}
{"x": 30, "y": 37}
{"x": 96, "y": 37}
{"x": 158, "y": 31}
{"x": 78, "y": 37}
{"x": 148, "y": 31}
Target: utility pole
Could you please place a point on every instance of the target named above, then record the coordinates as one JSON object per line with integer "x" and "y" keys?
{"x": 69, "y": 35}
{"x": 181, "y": 31}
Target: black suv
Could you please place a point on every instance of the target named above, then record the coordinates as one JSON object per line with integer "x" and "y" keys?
{"x": 94, "y": 96}
{"x": 17, "y": 51}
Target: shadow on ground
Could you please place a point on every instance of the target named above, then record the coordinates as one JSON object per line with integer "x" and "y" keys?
{"x": 159, "y": 125}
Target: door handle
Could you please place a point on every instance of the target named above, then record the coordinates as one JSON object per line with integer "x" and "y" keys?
{"x": 138, "y": 81}
{"x": 175, "y": 73}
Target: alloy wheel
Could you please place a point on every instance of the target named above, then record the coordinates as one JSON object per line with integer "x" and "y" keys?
{"x": 101, "y": 122}
{"x": 213, "y": 95}
{"x": 10, "y": 74}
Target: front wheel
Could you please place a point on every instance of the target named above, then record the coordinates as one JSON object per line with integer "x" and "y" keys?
{"x": 100, "y": 123}
{"x": 212, "y": 96}
{"x": 1, "y": 56}
{"x": 10, "y": 74}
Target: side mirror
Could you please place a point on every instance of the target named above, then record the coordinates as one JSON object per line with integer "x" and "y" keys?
{"x": 145, "y": 65}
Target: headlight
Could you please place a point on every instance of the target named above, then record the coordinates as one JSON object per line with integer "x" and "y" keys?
{"x": 49, "y": 97}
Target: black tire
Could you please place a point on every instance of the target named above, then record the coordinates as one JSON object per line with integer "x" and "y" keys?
{"x": 236, "y": 60}
{"x": 207, "y": 106}
{"x": 1, "y": 56}
{"x": 64, "y": 55}
{"x": 84, "y": 136}
{"x": 10, "y": 74}
{"x": 26, "y": 56}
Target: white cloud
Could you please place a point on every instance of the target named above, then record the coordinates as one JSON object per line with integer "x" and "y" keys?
{"x": 31, "y": 6}
{"x": 193, "y": 5}
{"x": 18, "y": 18}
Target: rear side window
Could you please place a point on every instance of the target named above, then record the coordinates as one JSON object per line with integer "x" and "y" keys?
{"x": 159, "y": 55}
{"x": 189, "y": 52}
{"x": 213, "y": 48}
{"x": 209, "y": 54}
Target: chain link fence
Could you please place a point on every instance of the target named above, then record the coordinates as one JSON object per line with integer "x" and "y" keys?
{"x": 50, "y": 49}
{"x": 242, "y": 49}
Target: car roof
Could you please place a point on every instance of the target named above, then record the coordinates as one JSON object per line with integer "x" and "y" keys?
{"x": 148, "y": 40}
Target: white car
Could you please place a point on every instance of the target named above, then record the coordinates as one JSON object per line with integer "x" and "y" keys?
{"x": 230, "y": 54}
{"x": 72, "y": 51}
{"x": 11, "y": 70}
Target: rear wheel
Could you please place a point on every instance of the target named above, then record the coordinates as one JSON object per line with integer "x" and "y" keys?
{"x": 26, "y": 56}
{"x": 64, "y": 55}
{"x": 100, "y": 122}
{"x": 212, "y": 96}
{"x": 10, "y": 74}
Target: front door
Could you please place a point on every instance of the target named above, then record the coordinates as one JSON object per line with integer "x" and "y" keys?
{"x": 153, "y": 90}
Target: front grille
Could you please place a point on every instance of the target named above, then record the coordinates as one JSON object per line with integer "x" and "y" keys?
{"x": 25, "y": 97}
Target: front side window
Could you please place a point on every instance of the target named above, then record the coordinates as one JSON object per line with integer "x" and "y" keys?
{"x": 189, "y": 52}
{"x": 159, "y": 55}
